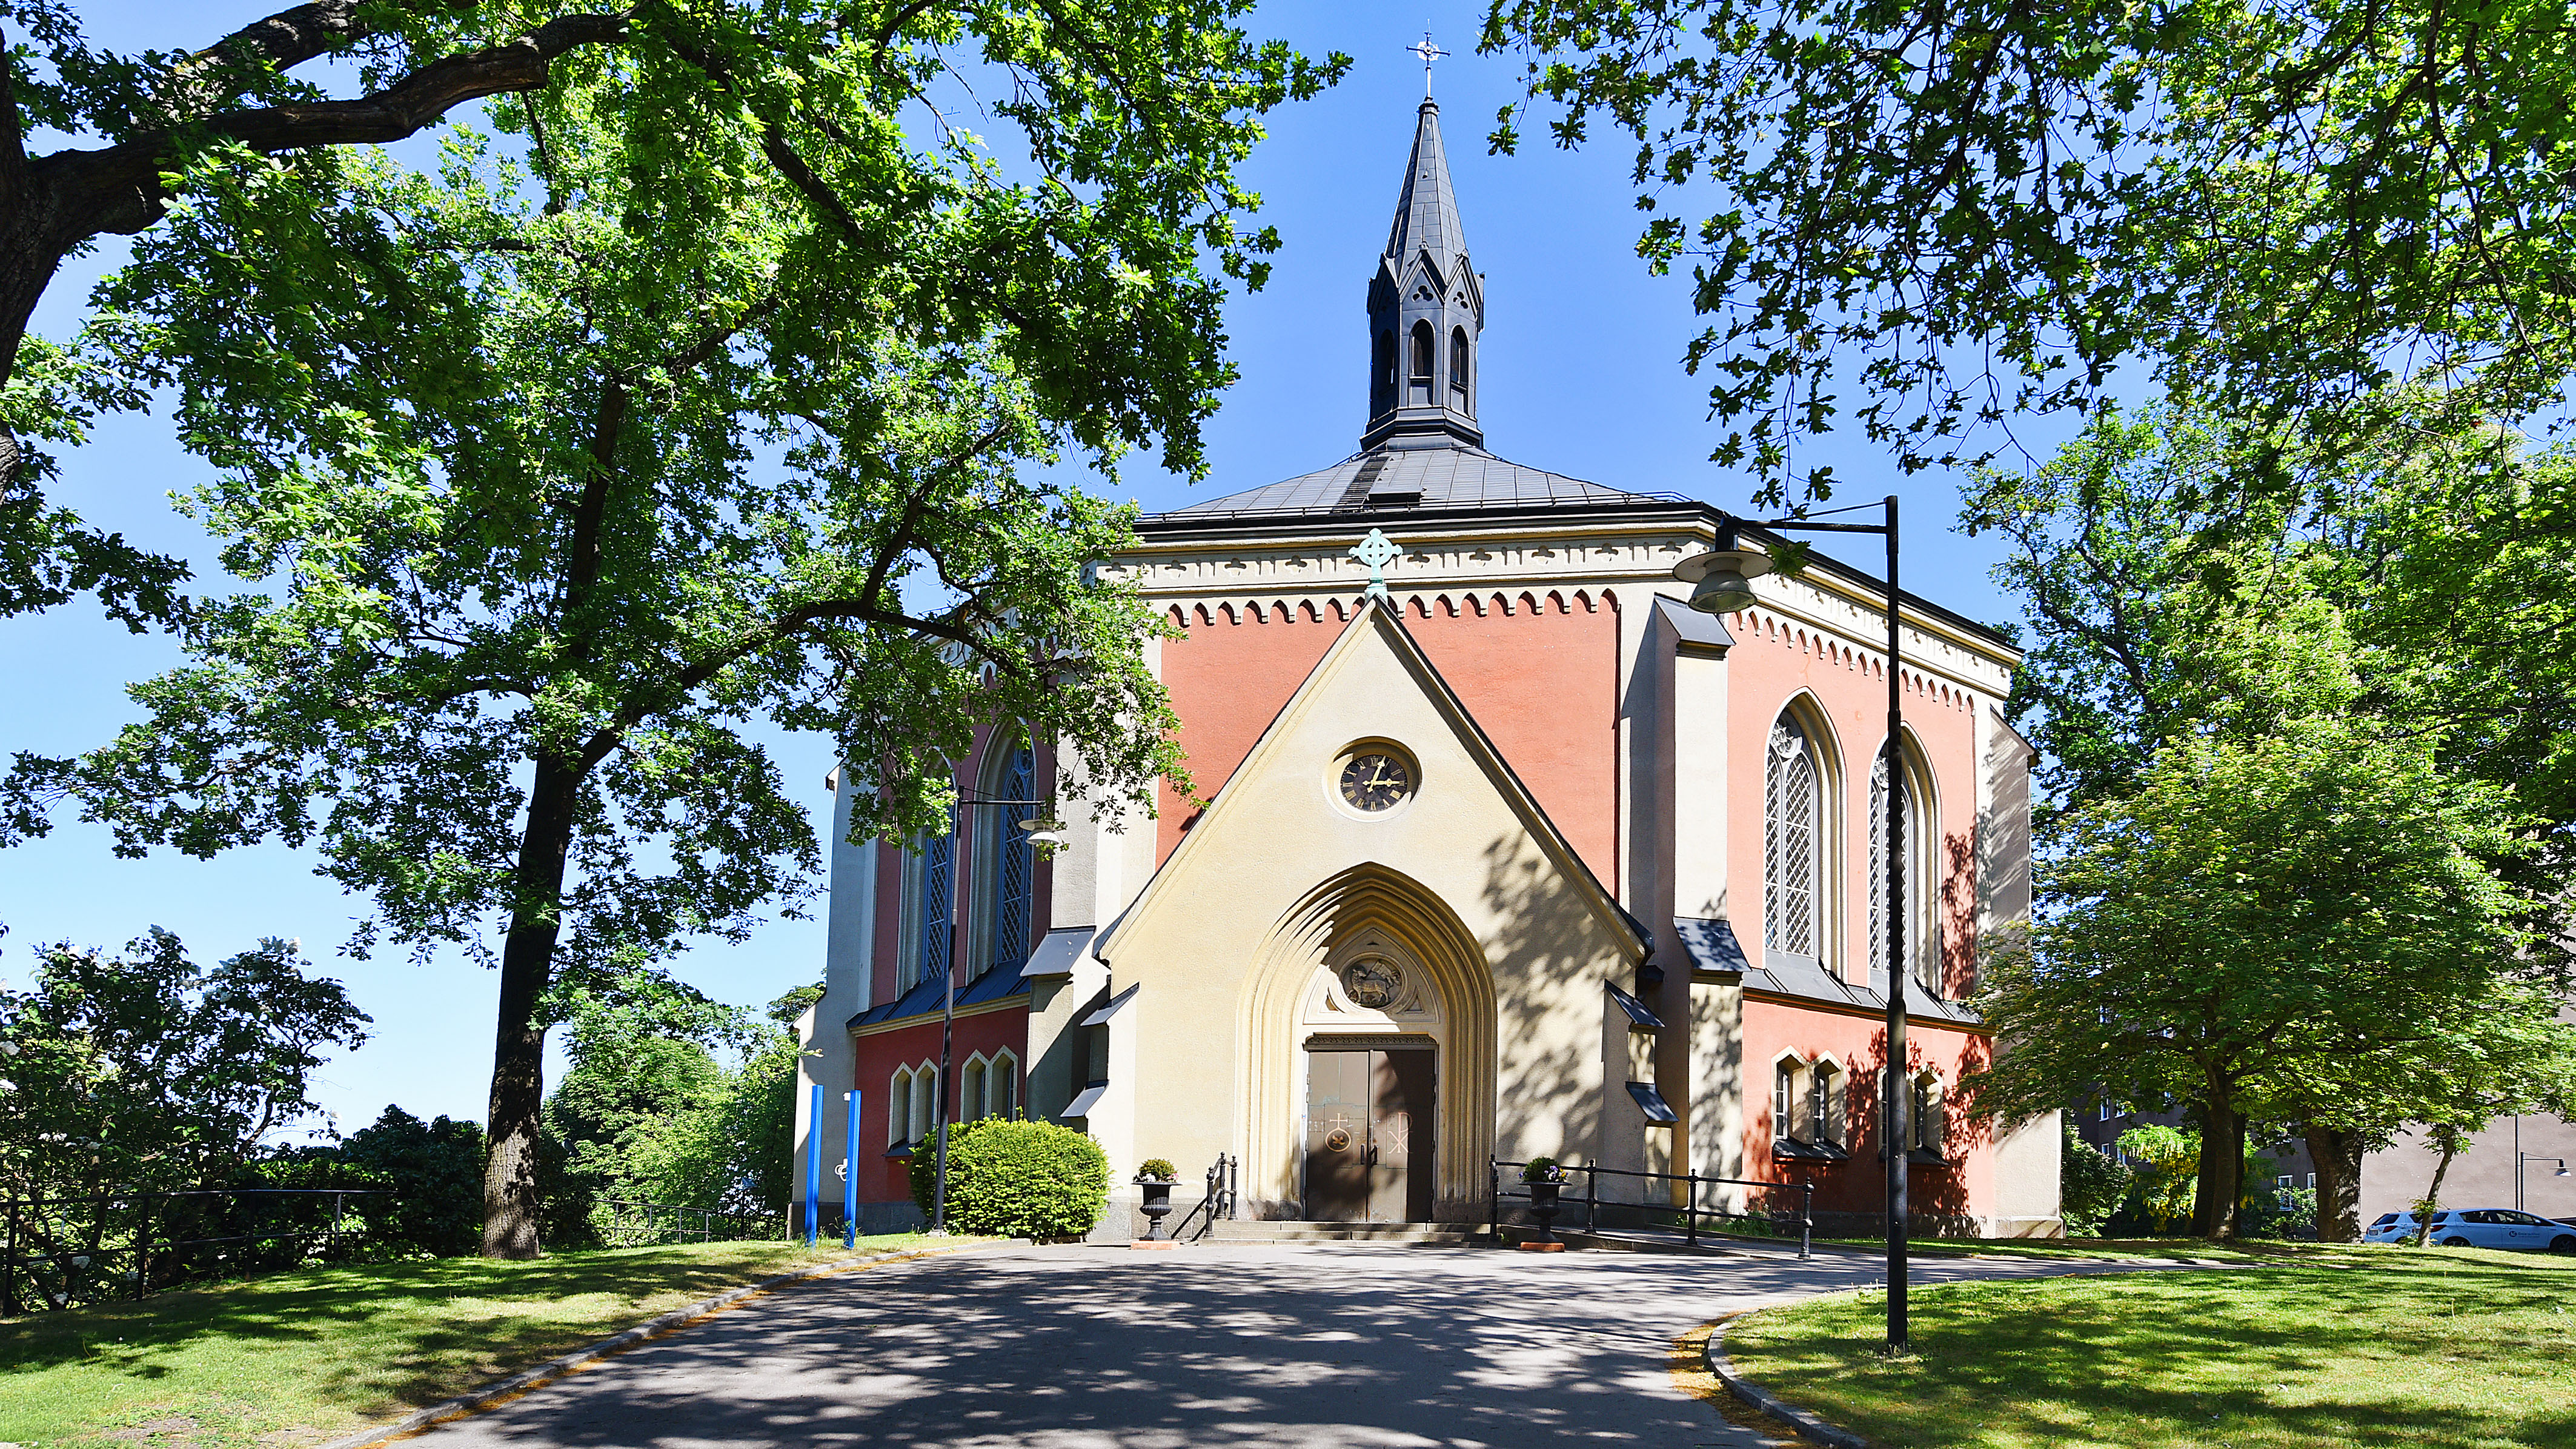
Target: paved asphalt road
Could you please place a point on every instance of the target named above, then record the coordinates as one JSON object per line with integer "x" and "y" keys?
{"x": 1249, "y": 1346}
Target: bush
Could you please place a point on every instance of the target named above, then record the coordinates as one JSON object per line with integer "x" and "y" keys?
{"x": 1157, "y": 1169}
{"x": 434, "y": 1171}
{"x": 2278, "y": 1212}
{"x": 2091, "y": 1184}
{"x": 1016, "y": 1179}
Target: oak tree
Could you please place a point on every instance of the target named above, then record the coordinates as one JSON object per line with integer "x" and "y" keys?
{"x": 1935, "y": 219}
{"x": 715, "y": 379}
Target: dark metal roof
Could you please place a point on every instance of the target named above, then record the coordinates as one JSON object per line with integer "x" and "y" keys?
{"x": 1396, "y": 479}
{"x": 1641, "y": 1017}
{"x": 923, "y": 999}
{"x": 1656, "y": 1108}
{"x": 1426, "y": 211}
{"x": 1713, "y": 947}
{"x": 1694, "y": 627}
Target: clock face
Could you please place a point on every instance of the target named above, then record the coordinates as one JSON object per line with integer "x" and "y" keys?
{"x": 1374, "y": 781}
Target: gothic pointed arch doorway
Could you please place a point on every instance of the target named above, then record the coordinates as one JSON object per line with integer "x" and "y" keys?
{"x": 1371, "y": 1057}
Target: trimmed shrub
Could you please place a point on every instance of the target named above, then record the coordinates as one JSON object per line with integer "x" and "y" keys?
{"x": 1016, "y": 1180}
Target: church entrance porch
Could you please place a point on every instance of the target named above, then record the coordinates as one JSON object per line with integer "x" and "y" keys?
{"x": 1369, "y": 1116}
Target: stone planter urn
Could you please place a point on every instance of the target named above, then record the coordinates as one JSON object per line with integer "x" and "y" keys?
{"x": 1156, "y": 1207}
{"x": 1545, "y": 1180}
{"x": 1544, "y": 1207}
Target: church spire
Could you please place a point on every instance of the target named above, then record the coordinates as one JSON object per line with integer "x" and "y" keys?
{"x": 1426, "y": 309}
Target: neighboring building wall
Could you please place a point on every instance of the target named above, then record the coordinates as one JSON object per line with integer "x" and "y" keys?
{"x": 2482, "y": 1175}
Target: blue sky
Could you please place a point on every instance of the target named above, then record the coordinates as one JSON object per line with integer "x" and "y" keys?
{"x": 1582, "y": 376}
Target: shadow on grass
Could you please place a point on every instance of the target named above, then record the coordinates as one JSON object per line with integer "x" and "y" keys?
{"x": 362, "y": 1336}
{"x": 2392, "y": 1348}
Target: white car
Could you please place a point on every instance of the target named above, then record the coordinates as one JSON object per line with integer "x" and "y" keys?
{"x": 2480, "y": 1228}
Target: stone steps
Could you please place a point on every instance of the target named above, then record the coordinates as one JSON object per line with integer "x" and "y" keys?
{"x": 1446, "y": 1235}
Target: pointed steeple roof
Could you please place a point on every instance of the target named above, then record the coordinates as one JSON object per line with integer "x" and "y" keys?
{"x": 1426, "y": 311}
{"x": 1426, "y": 213}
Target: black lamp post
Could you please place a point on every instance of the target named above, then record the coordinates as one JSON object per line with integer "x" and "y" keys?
{"x": 1723, "y": 584}
{"x": 1041, "y": 832}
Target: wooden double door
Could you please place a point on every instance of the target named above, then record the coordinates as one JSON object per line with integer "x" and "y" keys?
{"x": 1368, "y": 1135}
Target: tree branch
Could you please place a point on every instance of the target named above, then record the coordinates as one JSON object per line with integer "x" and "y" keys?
{"x": 118, "y": 188}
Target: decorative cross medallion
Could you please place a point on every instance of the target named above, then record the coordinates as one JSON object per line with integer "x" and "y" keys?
{"x": 1429, "y": 53}
{"x": 1376, "y": 550}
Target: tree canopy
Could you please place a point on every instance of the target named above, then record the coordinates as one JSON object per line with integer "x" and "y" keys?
{"x": 2285, "y": 871}
{"x": 1936, "y": 219}
{"x": 694, "y": 387}
{"x": 1131, "y": 120}
{"x": 143, "y": 1071}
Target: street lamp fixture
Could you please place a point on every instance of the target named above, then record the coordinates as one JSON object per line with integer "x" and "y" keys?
{"x": 1722, "y": 583}
{"x": 1723, "y": 579}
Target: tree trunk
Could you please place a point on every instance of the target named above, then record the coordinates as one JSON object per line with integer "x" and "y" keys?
{"x": 511, "y": 1199}
{"x": 2221, "y": 1181}
{"x": 2447, "y": 1138}
{"x": 2337, "y": 1154}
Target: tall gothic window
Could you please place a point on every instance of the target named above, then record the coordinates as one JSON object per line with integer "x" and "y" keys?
{"x": 1384, "y": 371}
{"x": 1791, "y": 842}
{"x": 1919, "y": 948}
{"x": 935, "y": 869}
{"x": 1011, "y": 860}
{"x": 1458, "y": 366}
{"x": 1423, "y": 347}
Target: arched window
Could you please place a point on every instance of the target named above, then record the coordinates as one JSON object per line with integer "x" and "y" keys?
{"x": 1791, "y": 842}
{"x": 1422, "y": 359}
{"x": 1458, "y": 366}
{"x": 1009, "y": 861}
{"x": 970, "y": 1094}
{"x": 1826, "y": 1105}
{"x": 934, "y": 869}
{"x": 899, "y": 1109}
{"x": 1784, "y": 1100}
{"x": 1931, "y": 1127}
{"x": 925, "y": 1091}
{"x": 1922, "y": 949}
{"x": 1002, "y": 1086}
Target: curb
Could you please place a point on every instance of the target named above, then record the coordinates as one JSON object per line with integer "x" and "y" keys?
{"x": 1807, "y": 1425}
{"x": 499, "y": 1391}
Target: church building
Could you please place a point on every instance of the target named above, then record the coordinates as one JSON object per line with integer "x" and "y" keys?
{"x": 1505, "y": 852}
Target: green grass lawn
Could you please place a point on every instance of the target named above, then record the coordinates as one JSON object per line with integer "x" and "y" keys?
{"x": 2455, "y": 1347}
{"x": 305, "y": 1356}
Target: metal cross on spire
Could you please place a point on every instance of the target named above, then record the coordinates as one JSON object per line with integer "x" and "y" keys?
{"x": 1429, "y": 53}
{"x": 1376, "y": 550}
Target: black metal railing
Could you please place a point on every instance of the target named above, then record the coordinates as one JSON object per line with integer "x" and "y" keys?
{"x": 1217, "y": 1205}
{"x": 63, "y": 1252}
{"x": 1687, "y": 1214}
{"x": 625, "y": 1223}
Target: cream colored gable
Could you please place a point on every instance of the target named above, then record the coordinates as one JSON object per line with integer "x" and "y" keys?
{"x": 1281, "y": 882}
{"x": 1471, "y": 831}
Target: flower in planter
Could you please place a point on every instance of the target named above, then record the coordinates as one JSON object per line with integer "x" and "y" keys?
{"x": 1156, "y": 1169}
{"x": 1542, "y": 1169}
